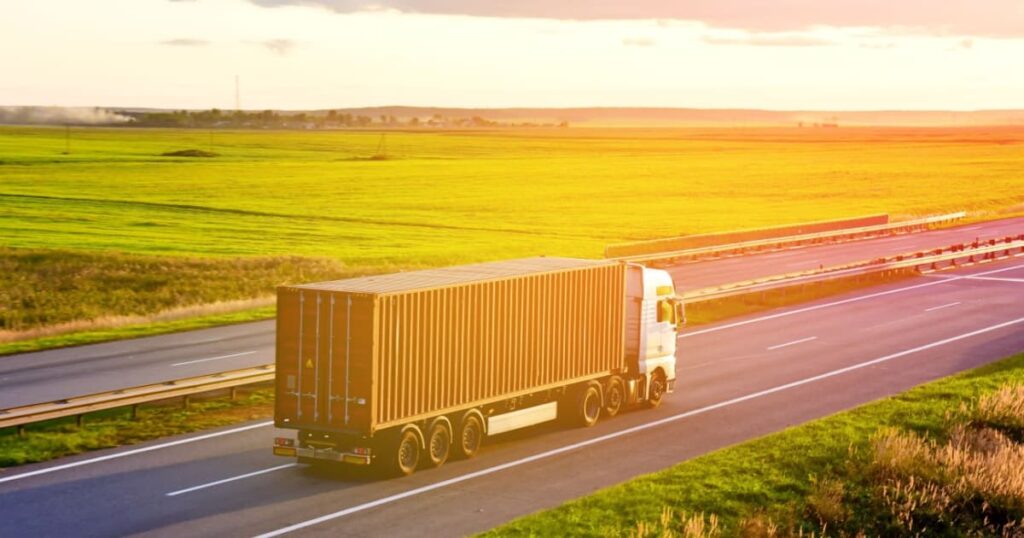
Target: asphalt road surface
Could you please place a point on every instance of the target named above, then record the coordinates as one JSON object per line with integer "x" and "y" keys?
{"x": 738, "y": 379}
{"x": 53, "y": 375}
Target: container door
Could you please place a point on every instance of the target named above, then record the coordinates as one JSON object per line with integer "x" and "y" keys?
{"x": 346, "y": 363}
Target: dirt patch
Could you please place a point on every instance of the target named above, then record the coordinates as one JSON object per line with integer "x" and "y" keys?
{"x": 190, "y": 153}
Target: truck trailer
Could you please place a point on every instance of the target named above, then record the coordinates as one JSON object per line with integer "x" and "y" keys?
{"x": 406, "y": 370}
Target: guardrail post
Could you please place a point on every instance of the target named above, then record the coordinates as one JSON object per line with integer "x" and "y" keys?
{"x": 234, "y": 393}
{"x": 21, "y": 431}
{"x": 185, "y": 401}
{"x": 135, "y": 411}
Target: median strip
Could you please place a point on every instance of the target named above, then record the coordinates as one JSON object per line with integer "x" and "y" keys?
{"x": 937, "y": 282}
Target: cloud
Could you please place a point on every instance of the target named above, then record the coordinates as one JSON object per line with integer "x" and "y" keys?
{"x": 769, "y": 40}
{"x": 185, "y": 42}
{"x": 980, "y": 18}
{"x": 277, "y": 46}
{"x": 878, "y": 46}
{"x": 638, "y": 42}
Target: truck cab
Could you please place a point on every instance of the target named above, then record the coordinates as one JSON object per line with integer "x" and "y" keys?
{"x": 654, "y": 316}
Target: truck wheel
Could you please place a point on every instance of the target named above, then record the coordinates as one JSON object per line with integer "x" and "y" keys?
{"x": 657, "y": 389}
{"x": 588, "y": 405}
{"x": 406, "y": 456}
{"x": 614, "y": 396}
{"x": 439, "y": 443}
{"x": 471, "y": 434}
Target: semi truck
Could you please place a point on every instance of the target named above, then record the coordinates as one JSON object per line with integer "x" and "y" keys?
{"x": 407, "y": 370}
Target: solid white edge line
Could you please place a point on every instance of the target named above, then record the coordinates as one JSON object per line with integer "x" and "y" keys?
{"x": 842, "y": 302}
{"x": 214, "y": 358}
{"x": 941, "y": 306}
{"x": 793, "y": 343}
{"x": 996, "y": 279}
{"x": 627, "y": 431}
{"x": 231, "y": 479}
{"x": 132, "y": 452}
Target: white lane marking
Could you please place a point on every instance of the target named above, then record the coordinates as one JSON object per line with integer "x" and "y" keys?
{"x": 214, "y": 358}
{"x": 151, "y": 448}
{"x": 844, "y": 301}
{"x": 997, "y": 279}
{"x": 232, "y": 479}
{"x": 793, "y": 343}
{"x": 627, "y": 431}
{"x": 941, "y": 306}
{"x": 969, "y": 229}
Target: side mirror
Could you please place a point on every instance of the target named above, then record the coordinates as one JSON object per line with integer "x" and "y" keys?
{"x": 680, "y": 314}
{"x": 665, "y": 312}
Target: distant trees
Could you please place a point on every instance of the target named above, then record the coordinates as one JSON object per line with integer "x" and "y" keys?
{"x": 331, "y": 119}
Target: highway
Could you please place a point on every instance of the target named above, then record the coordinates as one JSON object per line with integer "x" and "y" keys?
{"x": 52, "y": 375}
{"x": 739, "y": 379}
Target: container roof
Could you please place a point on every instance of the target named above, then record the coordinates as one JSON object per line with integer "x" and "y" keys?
{"x": 452, "y": 276}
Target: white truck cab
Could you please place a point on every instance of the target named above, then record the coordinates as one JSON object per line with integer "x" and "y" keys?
{"x": 654, "y": 318}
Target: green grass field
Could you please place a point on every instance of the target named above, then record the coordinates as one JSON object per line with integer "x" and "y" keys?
{"x": 452, "y": 197}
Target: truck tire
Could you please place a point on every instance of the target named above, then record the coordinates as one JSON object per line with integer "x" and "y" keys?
{"x": 614, "y": 396}
{"x": 439, "y": 443}
{"x": 404, "y": 456}
{"x": 470, "y": 435}
{"x": 656, "y": 390}
{"x": 588, "y": 404}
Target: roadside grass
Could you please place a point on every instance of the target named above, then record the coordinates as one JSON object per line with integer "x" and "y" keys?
{"x": 114, "y": 427}
{"x": 812, "y": 478}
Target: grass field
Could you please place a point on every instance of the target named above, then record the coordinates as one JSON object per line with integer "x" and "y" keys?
{"x": 451, "y": 197}
{"x": 837, "y": 476}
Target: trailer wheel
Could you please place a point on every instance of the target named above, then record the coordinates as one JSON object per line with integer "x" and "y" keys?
{"x": 614, "y": 396}
{"x": 588, "y": 404}
{"x": 406, "y": 455}
{"x": 471, "y": 434}
{"x": 439, "y": 443}
{"x": 657, "y": 389}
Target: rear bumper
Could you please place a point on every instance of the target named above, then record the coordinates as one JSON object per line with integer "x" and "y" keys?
{"x": 322, "y": 454}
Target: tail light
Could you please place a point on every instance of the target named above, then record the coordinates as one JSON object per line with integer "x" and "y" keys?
{"x": 284, "y": 441}
{"x": 361, "y": 451}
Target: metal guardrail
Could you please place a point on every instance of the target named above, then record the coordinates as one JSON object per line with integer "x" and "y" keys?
{"x": 792, "y": 240}
{"x": 969, "y": 254}
{"x": 132, "y": 396}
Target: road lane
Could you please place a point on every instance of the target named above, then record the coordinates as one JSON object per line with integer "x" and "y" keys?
{"x": 128, "y": 495}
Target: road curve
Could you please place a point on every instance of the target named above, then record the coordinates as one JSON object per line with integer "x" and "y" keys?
{"x": 56, "y": 374}
{"x": 738, "y": 379}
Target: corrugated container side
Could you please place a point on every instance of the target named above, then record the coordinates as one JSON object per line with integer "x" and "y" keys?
{"x": 446, "y": 348}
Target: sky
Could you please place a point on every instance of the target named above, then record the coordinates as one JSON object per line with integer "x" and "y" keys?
{"x": 314, "y": 54}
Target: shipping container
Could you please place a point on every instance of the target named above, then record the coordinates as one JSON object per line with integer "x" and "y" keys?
{"x": 504, "y": 341}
